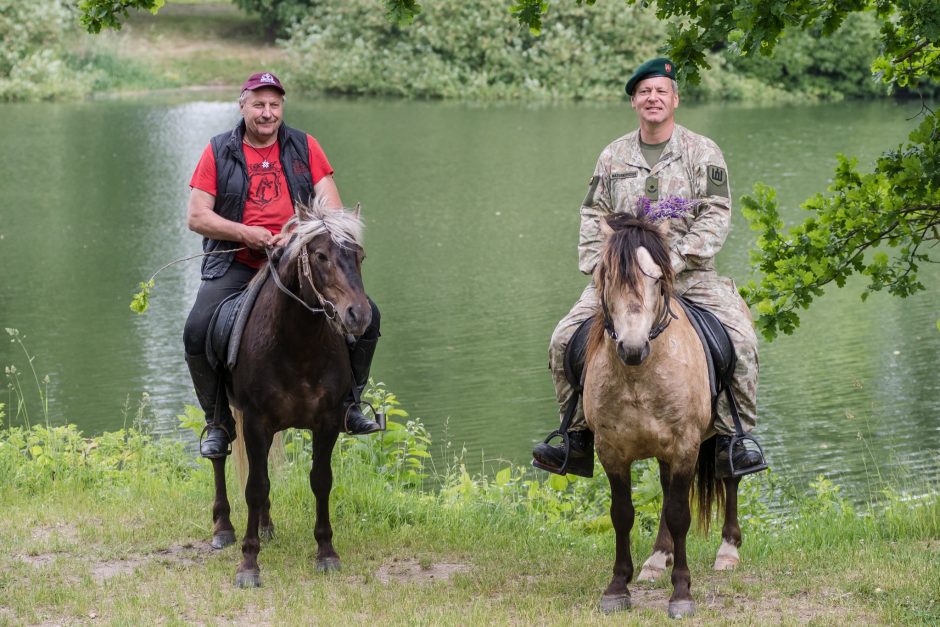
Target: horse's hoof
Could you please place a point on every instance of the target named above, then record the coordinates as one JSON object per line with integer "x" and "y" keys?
{"x": 649, "y": 573}
{"x": 328, "y": 565}
{"x": 727, "y": 557}
{"x": 681, "y": 609}
{"x": 611, "y": 603}
{"x": 248, "y": 579}
{"x": 223, "y": 539}
{"x": 266, "y": 533}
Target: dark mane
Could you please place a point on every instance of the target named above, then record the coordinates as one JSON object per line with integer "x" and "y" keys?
{"x": 618, "y": 265}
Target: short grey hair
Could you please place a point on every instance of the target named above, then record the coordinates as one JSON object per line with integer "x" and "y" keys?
{"x": 244, "y": 96}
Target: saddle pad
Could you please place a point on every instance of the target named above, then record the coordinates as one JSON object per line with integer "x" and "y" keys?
{"x": 228, "y": 323}
{"x": 719, "y": 351}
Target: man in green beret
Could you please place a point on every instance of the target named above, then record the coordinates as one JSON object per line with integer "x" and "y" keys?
{"x": 662, "y": 161}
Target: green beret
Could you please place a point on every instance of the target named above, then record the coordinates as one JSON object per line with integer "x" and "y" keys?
{"x": 656, "y": 67}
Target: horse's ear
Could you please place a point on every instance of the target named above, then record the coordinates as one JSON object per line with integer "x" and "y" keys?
{"x": 606, "y": 231}
{"x": 358, "y": 210}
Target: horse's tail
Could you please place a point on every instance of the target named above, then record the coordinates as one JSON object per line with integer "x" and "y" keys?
{"x": 240, "y": 453}
{"x": 710, "y": 489}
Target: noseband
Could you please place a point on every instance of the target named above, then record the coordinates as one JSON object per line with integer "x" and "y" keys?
{"x": 327, "y": 308}
{"x": 666, "y": 314}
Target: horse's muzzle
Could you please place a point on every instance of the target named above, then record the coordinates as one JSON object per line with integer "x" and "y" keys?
{"x": 357, "y": 318}
{"x": 633, "y": 355}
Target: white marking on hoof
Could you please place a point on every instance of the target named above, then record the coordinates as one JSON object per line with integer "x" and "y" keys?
{"x": 655, "y": 566}
{"x": 727, "y": 558}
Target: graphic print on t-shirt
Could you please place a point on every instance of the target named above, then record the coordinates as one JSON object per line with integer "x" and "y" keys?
{"x": 264, "y": 184}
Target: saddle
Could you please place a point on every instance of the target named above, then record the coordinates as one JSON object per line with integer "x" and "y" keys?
{"x": 719, "y": 351}
{"x": 228, "y": 323}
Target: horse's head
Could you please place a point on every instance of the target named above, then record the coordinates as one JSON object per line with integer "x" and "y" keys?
{"x": 633, "y": 280}
{"x": 326, "y": 250}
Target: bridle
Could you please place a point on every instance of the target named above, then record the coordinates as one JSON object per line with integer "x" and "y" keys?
{"x": 327, "y": 308}
{"x": 666, "y": 314}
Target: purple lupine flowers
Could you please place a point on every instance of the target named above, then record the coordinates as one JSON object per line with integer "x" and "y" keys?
{"x": 665, "y": 209}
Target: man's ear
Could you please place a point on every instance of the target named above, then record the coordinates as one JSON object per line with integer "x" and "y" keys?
{"x": 663, "y": 227}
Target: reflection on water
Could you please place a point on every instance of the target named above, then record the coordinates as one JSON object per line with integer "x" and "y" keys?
{"x": 472, "y": 231}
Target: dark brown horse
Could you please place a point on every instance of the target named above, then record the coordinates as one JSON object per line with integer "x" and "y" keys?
{"x": 646, "y": 394}
{"x": 293, "y": 370}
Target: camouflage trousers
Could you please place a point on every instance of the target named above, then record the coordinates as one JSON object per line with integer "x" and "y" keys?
{"x": 717, "y": 294}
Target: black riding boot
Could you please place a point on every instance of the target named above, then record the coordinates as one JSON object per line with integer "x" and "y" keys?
{"x": 360, "y": 358}
{"x": 210, "y": 391}
{"x": 742, "y": 459}
{"x": 580, "y": 457}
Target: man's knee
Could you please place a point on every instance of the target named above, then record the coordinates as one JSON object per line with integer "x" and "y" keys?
{"x": 195, "y": 331}
{"x": 372, "y": 331}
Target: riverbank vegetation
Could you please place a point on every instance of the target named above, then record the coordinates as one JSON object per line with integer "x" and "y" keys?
{"x": 116, "y": 527}
{"x": 453, "y": 49}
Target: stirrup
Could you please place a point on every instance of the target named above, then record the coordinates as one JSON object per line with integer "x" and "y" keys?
{"x": 205, "y": 430}
{"x": 558, "y": 470}
{"x": 379, "y": 415}
{"x": 752, "y": 445}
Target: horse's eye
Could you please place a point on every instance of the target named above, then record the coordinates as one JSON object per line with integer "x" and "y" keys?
{"x": 322, "y": 258}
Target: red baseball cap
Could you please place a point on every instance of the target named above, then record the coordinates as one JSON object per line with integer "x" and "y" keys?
{"x": 263, "y": 79}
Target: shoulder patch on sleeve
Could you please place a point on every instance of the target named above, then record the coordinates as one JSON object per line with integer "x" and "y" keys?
{"x": 717, "y": 181}
{"x": 592, "y": 187}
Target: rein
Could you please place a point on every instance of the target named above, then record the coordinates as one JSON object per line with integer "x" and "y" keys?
{"x": 666, "y": 316}
{"x": 328, "y": 309}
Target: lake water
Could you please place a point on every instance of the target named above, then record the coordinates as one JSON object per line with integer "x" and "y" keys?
{"x": 472, "y": 221}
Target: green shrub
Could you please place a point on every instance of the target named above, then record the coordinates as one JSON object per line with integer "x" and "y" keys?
{"x": 831, "y": 68}
{"x": 34, "y": 60}
{"x": 457, "y": 49}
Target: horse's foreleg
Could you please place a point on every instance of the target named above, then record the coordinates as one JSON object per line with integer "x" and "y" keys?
{"x": 678, "y": 519}
{"x": 266, "y": 526}
{"x": 223, "y": 533}
{"x": 727, "y": 557}
{"x": 661, "y": 558}
{"x": 321, "y": 482}
{"x": 617, "y": 597}
{"x": 257, "y": 443}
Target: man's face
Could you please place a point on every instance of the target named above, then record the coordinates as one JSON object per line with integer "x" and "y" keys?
{"x": 262, "y": 112}
{"x": 654, "y": 100}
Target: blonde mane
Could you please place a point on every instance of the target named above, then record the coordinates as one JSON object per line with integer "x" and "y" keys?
{"x": 310, "y": 220}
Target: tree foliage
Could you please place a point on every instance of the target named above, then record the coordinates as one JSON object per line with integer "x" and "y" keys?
{"x": 99, "y": 14}
{"x": 277, "y": 16}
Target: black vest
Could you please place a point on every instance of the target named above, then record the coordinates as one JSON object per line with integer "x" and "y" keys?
{"x": 232, "y": 185}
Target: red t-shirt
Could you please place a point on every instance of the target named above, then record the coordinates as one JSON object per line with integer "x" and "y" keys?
{"x": 269, "y": 204}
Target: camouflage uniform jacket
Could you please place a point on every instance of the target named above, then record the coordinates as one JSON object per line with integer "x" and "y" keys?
{"x": 691, "y": 167}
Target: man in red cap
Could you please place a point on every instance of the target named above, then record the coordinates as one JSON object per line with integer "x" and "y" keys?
{"x": 242, "y": 193}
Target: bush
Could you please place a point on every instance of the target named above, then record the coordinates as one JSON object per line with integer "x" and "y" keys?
{"x": 34, "y": 61}
{"x": 457, "y": 49}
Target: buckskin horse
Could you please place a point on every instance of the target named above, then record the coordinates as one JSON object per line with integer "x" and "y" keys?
{"x": 292, "y": 370}
{"x": 646, "y": 394}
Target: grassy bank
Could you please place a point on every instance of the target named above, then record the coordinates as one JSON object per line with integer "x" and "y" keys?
{"x": 187, "y": 45}
{"x": 115, "y": 529}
